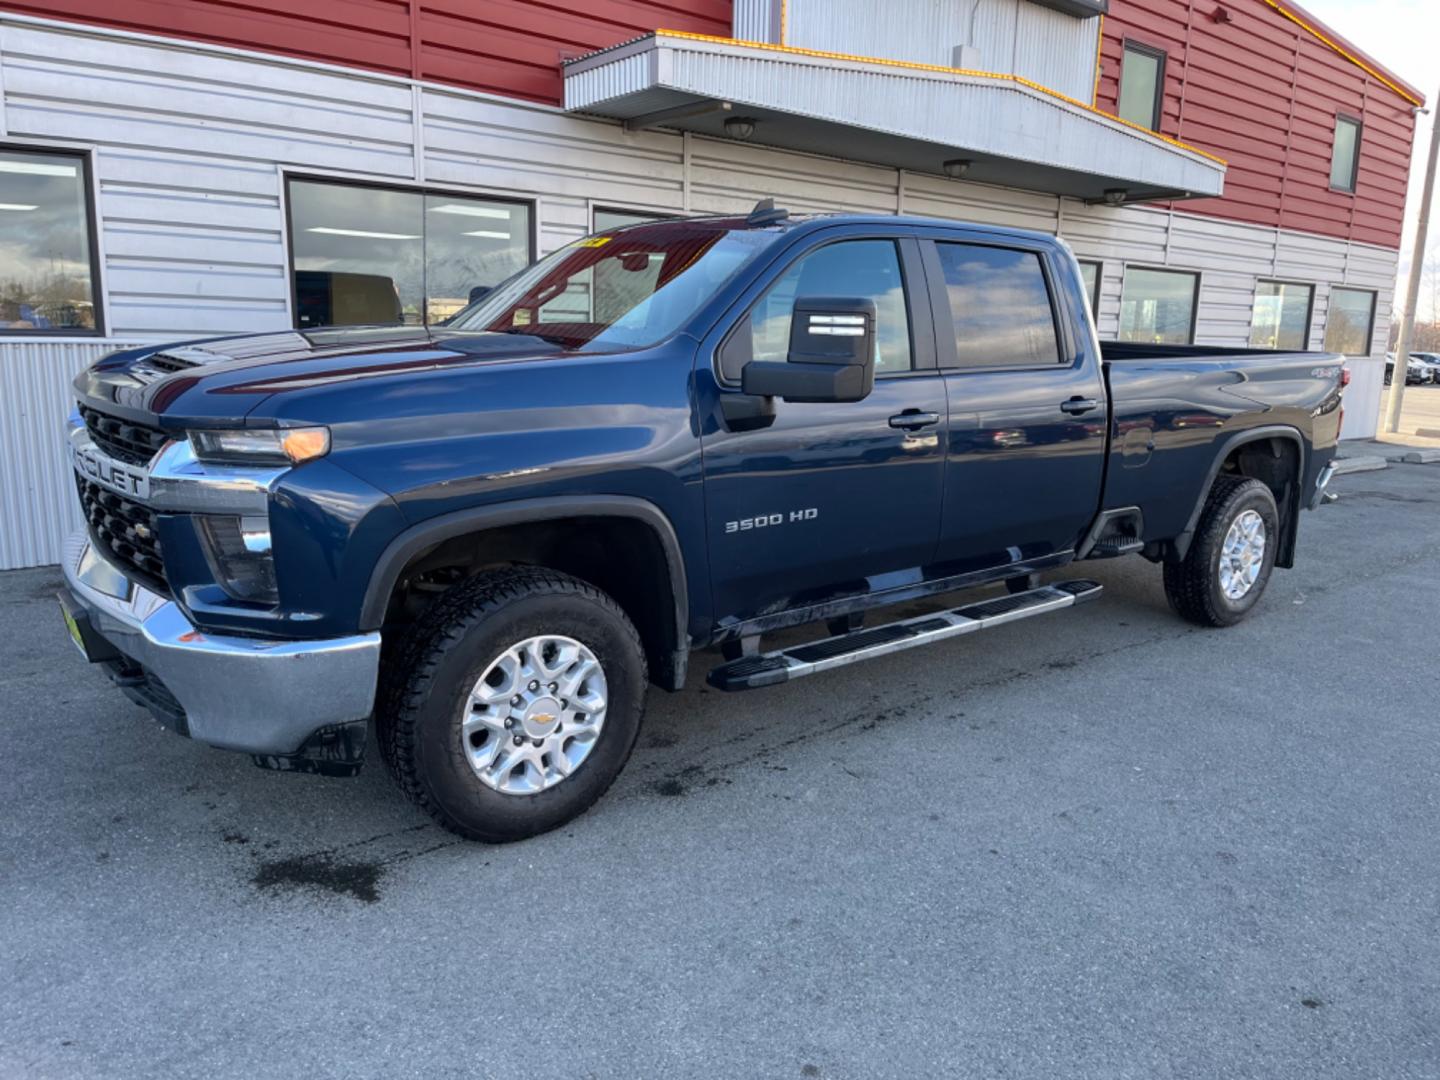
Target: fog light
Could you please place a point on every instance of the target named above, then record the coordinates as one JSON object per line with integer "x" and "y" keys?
{"x": 238, "y": 549}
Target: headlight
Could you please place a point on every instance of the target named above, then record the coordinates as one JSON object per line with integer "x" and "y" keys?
{"x": 277, "y": 446}
{"x": 238, "y": 549}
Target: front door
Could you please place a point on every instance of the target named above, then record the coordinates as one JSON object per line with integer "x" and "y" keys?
{"x": 825, "y": 500}
{"x": 1027, "y": 404}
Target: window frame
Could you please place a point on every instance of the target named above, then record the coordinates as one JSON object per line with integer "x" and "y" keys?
{"x": 1157, "y": 107}
{"x": 1359, "y": 125}
{"x": 1195, "y": 303}
{"x": 288, "y": 177}
{"x": 1309, "y": 311}
{"x": 1374, "y": 295}
{"x": 913, "y": 274}
{"x": 85, "y": 156}
{"x": 946, "y": 348}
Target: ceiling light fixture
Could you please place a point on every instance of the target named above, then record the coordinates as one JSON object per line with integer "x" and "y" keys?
{"x": 472, "y": 211}
{"x": 489, "y": 234}
{"x": 1115, "y": 196}
{"x": 955, "y": 168}
{"x": 362, "y": 232}
{"x": 17, "y": 206}
{"x": 740, "y": 127}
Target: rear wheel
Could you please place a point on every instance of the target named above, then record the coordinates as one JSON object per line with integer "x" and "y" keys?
{"x": 1231, "y": 556}
{"x": 514, "y": 704}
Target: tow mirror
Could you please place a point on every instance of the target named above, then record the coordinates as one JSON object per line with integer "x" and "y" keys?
{"x": 832, "y": 354}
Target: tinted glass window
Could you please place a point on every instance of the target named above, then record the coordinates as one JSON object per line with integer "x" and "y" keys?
{"x": 615, "y": 219}
{"x": 1158, "y": 306}
{"x": 1345, "y": 155}
{"x": 45, "y": 244}
{"x": 1140, "y": 75}
{"x": 1000, "y": 305}
{"x": 863, "y": 268}
{"x": 1349, "y": 321}
{"x": 1090, "y": 275}
{"x": 373, "y": 255}
{"x": 1281, "y": 319}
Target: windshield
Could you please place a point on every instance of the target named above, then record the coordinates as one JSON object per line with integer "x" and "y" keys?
{"x": 618, "y": 290}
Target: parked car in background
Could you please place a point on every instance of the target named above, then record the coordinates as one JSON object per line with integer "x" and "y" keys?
{"x": 1417, "y": 371}
{"x": 1432, "y": 363}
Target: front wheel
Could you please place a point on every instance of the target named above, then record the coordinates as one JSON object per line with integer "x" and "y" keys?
{"x": 1231, "y": 556}
{"x": 514, "y": 703}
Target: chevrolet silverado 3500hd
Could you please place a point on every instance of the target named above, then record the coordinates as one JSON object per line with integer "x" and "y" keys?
{"x": 491, "y": 535}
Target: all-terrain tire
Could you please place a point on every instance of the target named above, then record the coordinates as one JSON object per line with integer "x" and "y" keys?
{"x": 427, "y": 681}
{"x": 1193, "y": 585}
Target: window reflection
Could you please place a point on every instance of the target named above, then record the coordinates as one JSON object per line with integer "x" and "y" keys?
{"x": 46, "y": 281}
{"x": 1000, "y": 306}
{"x": 1349, "y": 322}
{"x": 1281, "y": 319}
{"x": 366, "y": 255}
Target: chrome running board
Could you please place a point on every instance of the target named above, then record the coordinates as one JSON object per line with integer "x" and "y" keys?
{"x": 768, "y": 669}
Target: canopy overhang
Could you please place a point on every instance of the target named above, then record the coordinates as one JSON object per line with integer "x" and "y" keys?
{"x": 991, "y": 128}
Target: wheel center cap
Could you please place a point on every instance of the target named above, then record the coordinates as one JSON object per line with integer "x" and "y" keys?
{"x": 541, "y": 718}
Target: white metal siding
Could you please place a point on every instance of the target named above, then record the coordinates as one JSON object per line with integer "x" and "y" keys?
{"x": 191, "y": 144}
{"x": 1013, "y": 37}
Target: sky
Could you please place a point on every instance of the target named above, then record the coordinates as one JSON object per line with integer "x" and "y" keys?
{"x": 1404, "y": 35}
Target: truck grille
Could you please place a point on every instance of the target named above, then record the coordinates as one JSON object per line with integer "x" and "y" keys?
{"x": 126, "y": 530}
{"x": 134, "y": 444}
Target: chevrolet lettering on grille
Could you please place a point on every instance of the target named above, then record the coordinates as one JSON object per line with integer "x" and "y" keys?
{"x": 109, "y": 473}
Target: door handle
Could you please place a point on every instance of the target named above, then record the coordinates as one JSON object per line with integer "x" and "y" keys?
{"x": 1077, "y": 405}
{"x": 914, "y": 420}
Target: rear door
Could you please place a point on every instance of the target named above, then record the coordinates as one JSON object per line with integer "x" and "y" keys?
{"x": 1027, "y": 406}
{"x": 823, "y": 501}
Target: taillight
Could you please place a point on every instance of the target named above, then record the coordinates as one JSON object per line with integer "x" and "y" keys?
{"x": 1344, "y": 382}
{"x": 1344, "y": 377}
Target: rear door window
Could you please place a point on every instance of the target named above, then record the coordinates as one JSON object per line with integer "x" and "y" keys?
{"x": 1000, "y": 306}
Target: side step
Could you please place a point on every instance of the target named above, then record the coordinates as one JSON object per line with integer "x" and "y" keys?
{"x": 1114, "y": 546}
{"x": 768, "y": 669}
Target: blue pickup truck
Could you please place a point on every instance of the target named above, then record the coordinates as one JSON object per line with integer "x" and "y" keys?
{"x": 489, "y": 537}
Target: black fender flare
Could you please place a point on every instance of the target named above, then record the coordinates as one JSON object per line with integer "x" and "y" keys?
{"x": 427, "y": 534}
{"x": 1229, "y": 446}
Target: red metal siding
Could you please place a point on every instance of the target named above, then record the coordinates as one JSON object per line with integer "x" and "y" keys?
{"x": 510, "y": 47}
{"x": 1262, "y": 92}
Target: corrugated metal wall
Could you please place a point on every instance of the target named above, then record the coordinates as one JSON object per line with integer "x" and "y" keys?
{"x": 37, "y": 494}
{"x": 1262, "y": 92}
{"x": 500, "y": 46}
{"x": 1014, "y": 37}
{"x": 190, "y": 146}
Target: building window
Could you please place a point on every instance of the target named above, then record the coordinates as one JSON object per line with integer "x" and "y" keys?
{"x": 1345, "y": 156}
{"x": 1090, "y": 274}
{"x": 1350, "y": 321}
{"x": 1142, "y": 85}
{"x": 47, "y": 245}
{"x": 1158, "y": 306}
{"x": 618, "y": 219}
{"x": 369, "y": 255}
{"x": 1000, "y": 306}
{"x": 1281, "y": 317}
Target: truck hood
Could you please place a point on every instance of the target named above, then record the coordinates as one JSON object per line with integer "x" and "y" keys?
{"x": 225, "y": 379}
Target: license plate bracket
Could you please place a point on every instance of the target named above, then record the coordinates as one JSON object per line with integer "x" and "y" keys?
{"x": 82, "y": 632}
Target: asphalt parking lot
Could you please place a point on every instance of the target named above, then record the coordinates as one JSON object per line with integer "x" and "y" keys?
{"x": 1099, "y": 844}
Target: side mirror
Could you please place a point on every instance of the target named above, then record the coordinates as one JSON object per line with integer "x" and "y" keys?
{"x": 832, "y": 354}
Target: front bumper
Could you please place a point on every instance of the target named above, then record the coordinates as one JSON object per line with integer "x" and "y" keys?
{"x": 261, "y": 696}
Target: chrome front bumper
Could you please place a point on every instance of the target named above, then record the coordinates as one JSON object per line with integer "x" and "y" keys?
{"x": 255, "y": 695}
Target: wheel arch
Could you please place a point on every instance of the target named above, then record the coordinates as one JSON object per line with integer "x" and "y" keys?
{"x": 667, "y": 641}
{"x": 1282, "y": 438}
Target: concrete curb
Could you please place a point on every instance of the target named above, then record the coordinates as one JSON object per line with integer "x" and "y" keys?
{"x": 1418, "y": 457}
{"x": 1362, "y": 463}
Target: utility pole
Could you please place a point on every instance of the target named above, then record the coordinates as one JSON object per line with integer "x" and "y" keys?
{"x": 1412, "y": 290}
